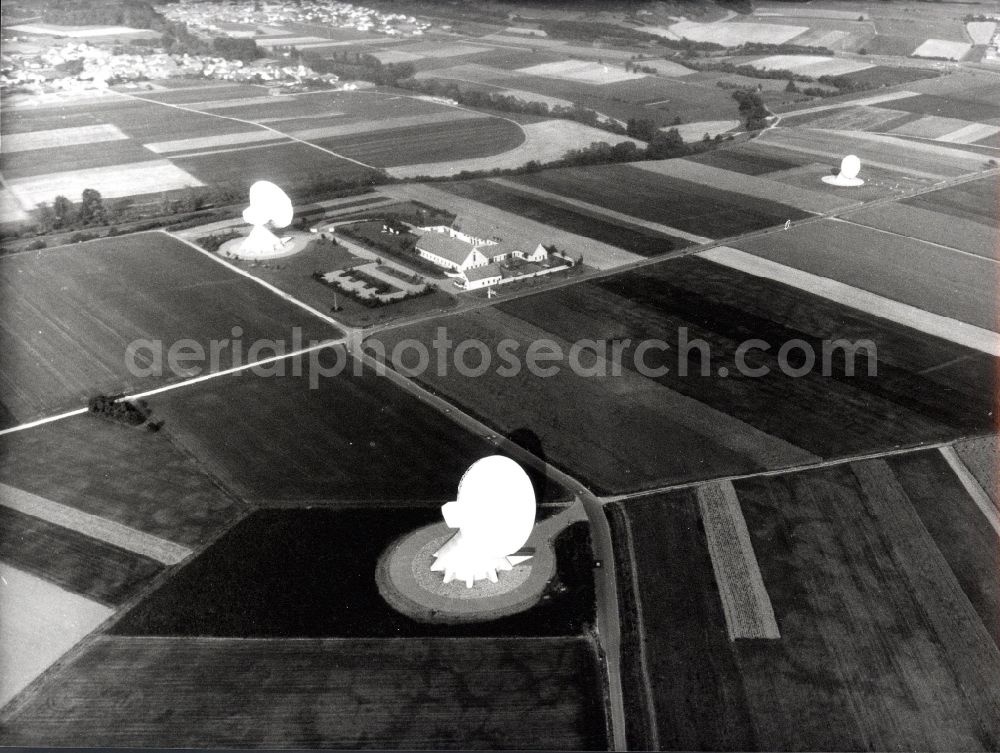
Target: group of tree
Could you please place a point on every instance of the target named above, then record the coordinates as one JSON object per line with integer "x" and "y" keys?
{"x": 63, "y": 214}
{"x": 753, "y": 112}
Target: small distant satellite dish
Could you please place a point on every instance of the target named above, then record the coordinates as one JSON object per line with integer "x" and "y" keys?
{"x": 269, "y": 205}
{"x": 494, "y": 515}
{"x": 850, "y": 166}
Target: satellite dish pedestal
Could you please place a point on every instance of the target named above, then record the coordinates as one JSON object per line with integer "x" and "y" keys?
{"x": 269, "y": 205}
{"x": 848, "y": 175}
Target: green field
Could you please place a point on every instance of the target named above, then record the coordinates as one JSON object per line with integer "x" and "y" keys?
{"x": 408, "y": 694}
{"x": 130, "y": 476}
{"x": 552, "y": 212}
{"x": 975, "y": 200}
{"x": 887, "y": 638}
{"x": 669, "y": 201}
{"x": 462, "y": 139}
{"x": 673, "y": 428}
{"x": 902, "y": 268}
{"x": 101, "y": 296}
{"x": 351, "y": 438}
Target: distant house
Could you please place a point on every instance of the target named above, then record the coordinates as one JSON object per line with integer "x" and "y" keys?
{"x": 481, "y": 277}
{"x": 449, "y": 252}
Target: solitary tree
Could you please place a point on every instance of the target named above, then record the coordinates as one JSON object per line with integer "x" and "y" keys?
{"x": 63, "y": 210}
{"x": 92, "y": 208}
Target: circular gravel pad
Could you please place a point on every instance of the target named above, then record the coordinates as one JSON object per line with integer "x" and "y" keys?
{"x": 407, "y": 583}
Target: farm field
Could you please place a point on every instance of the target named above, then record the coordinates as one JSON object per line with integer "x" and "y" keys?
{"x": 632, "y": 238}
{"x": 301, "y": 553}
{"x": 71, "y": 158}
{"x": 975, "y": 200}
{"x": 436, "y": 693}
{"x": 443, "y": 142}
{"x": 132, "y": 477}
{"x": 101, "y": 296}
{"x": 673, "y": 202}
{"x": 878, "y": 590}
{"x": 955, "y": 106}
{"x": 899, "y": 267}
{"x": 292, "y": 165}
{"x": 351, "y": 438}
{"x": 708, "y": 426}
{"x": 750, "y": 159}
{"x": 187, "y": 95}
{"x": 902, "y": 219}
{"x": 909, "y": 158}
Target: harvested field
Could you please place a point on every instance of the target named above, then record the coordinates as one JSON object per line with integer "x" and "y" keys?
{"x": 632, "y": 238}
{"x": 966, "y": 109}
{"x": 745, "y": 602}
{"x": 811, "y": 65}
{"x": 982, "y": 458}
{"x": 734, "y": 34}
{"x": 975, "y": 200}
{"x": 899, "y": 267}
{"x": 927, "y": 225}
{"x": 587, "y": 71}
{"x": 981, "y": 31}
{"x": 451, "y": 143}
{"x": 973, "y": 133}
{"x": 411, "y": 694}
{"x": 103, "y": 295}
{"x": 301, "y": 553}
{"x": 153, "y": 176}
{"x": 746, "y": 185}
{"x": 202, "y": 93}
{"x": 850, "y": 118}
{"x": 134, "y": 478}
{"x": 351, "y": 438}
{"x": 60, "y": 137}
{"x": 74, "y": 562}
{"x": 942, "y": 48}
{"x": 671, "y": 201}
{"x": 930, "y": 127}
{"x": 544, "y": 142}
{"x": 40, "y": 623}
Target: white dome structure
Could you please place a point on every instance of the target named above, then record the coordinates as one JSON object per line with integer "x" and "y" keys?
{"x": 494, "y": 515}
{"x": 850, "y": 166}
{"x": 269, "y": 205}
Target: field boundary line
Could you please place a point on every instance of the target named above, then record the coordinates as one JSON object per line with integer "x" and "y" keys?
{"x": 596, "y": 209}
{"x": 647, "y": 682}
{"x": 912, "y": 238}
{"x": 42, "y": 421}
{"x": 264, "y": 283}
{"x": 117, "y": 534}
{"x": 254, "y": 125}
{"x": 972, "y": 487}
{"x": 745, "y": 601}
{"x": 641, "y": 493}
{"x": 946, "y": 328}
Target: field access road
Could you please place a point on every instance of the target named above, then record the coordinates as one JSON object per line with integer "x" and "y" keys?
{"x": 605, "y": 580}
{"x": 467, "y": 303}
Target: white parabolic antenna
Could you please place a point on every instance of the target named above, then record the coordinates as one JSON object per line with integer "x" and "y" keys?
{"x": 269, "y": 205}
{"x": 494, "y": 515}
{"x": 850, "y": 166}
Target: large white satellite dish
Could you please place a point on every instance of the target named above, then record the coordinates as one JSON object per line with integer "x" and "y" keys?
{"x": 494, "y": 515}
{"x": 850, "y": 166}
{"x": 269, "y": 205}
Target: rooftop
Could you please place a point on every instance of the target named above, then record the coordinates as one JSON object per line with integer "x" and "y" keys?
{"x": 445, "y": 246}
